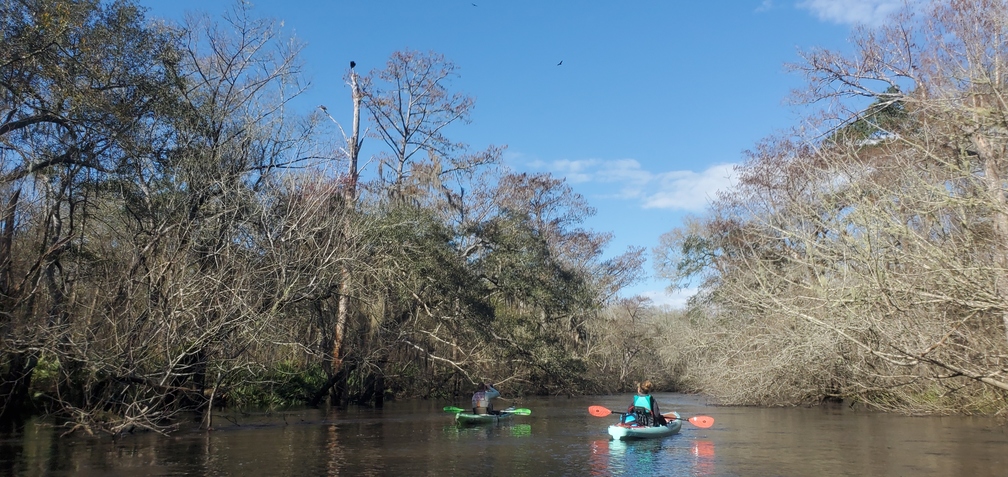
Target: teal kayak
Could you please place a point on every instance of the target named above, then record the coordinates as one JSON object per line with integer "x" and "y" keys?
{"x": 630, "y": 431}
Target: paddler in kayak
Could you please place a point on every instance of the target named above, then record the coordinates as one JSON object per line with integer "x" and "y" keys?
{"x": 644, "y": 409}
{"x": 481, "y": 399}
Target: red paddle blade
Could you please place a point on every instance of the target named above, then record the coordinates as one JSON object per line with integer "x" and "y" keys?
{"x": 598, "y": 411}
{"x": 702, "y": 421}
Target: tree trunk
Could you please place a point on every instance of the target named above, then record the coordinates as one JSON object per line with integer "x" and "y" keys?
{"x": 342, "y": 313}
{"x": 379, "y": 386}
{"x": 6, "y": 245}
{"x": 992, "y": 153}
{"x": 15, "y": 384}
{"x": 17, "y": 378}
{"x": 350, "y": 195}
{"x": 340, "y": 395}
{"x": 355, "y": 141}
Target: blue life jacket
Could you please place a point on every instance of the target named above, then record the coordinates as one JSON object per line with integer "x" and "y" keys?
{"x": 640, "y": 411}
{"x": 642, "y": 401}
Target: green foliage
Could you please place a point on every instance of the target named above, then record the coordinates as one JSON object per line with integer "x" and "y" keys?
{"x": 885, "y": 117}
{"x": 46, "y": 374}
{"x": 283, "y": 385}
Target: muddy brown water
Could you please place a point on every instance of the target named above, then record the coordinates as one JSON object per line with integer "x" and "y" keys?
{"x": 559, "y": 438}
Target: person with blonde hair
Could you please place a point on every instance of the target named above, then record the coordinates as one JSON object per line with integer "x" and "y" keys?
{"x": 644, "y": 409}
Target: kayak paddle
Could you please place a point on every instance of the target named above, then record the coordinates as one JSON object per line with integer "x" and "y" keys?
{"x": 520, "y": 411}
{"x": 699, "y": 421}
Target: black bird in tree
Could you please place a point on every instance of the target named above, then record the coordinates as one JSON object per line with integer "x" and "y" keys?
{"x": 352, "y": 64}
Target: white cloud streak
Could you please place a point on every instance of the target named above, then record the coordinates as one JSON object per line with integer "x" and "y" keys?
{"x": 854, "y": 12}
{"x": 689, "y": 190}
{"x": 676, "y": 300}
{"x": 767, "y": 5}
{"x": 626, "y": 179}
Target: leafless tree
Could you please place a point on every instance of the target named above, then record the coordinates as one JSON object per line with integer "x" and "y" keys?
{"x": 868, "y": 262}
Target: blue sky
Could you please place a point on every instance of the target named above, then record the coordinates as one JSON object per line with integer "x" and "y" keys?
{"x": 654, "y": 103}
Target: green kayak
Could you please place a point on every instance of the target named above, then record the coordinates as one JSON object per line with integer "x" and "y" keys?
{"x": 468, "y": 418}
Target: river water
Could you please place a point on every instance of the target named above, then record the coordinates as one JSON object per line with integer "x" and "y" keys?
{"x": 558, "y": 438}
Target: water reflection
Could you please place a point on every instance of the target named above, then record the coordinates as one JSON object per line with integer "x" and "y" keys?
{"x": 336, "y": 459}
{"x": 703, "y": 449}
{"x": 456, "y": 432}
{"x": 598, "y": 461}
{"x": 676, "y": 455}
{"x": 703, "y": 457}
{"x": 521, "y": 430}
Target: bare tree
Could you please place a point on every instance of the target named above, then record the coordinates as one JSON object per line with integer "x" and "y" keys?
{"x": 868, "y": 262}
{"x": 411, "y": 104}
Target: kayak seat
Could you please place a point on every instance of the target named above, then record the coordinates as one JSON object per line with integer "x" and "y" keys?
{"x": 640, "y": 416}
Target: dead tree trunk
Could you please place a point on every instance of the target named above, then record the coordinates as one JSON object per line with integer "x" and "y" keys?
{"x": 350, "y": 196}
{"x": 992, "y": 152}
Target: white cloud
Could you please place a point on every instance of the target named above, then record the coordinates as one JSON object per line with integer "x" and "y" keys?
{"x": 688, "y": 190}
{"x": 576, "y": 172}
{"x": 628, "y": 180}
{"x": 675, "y": 299}
{"x": 588, "y": 170}
{"x": 867, "y": 12}
{"x": 765, "y": 6}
